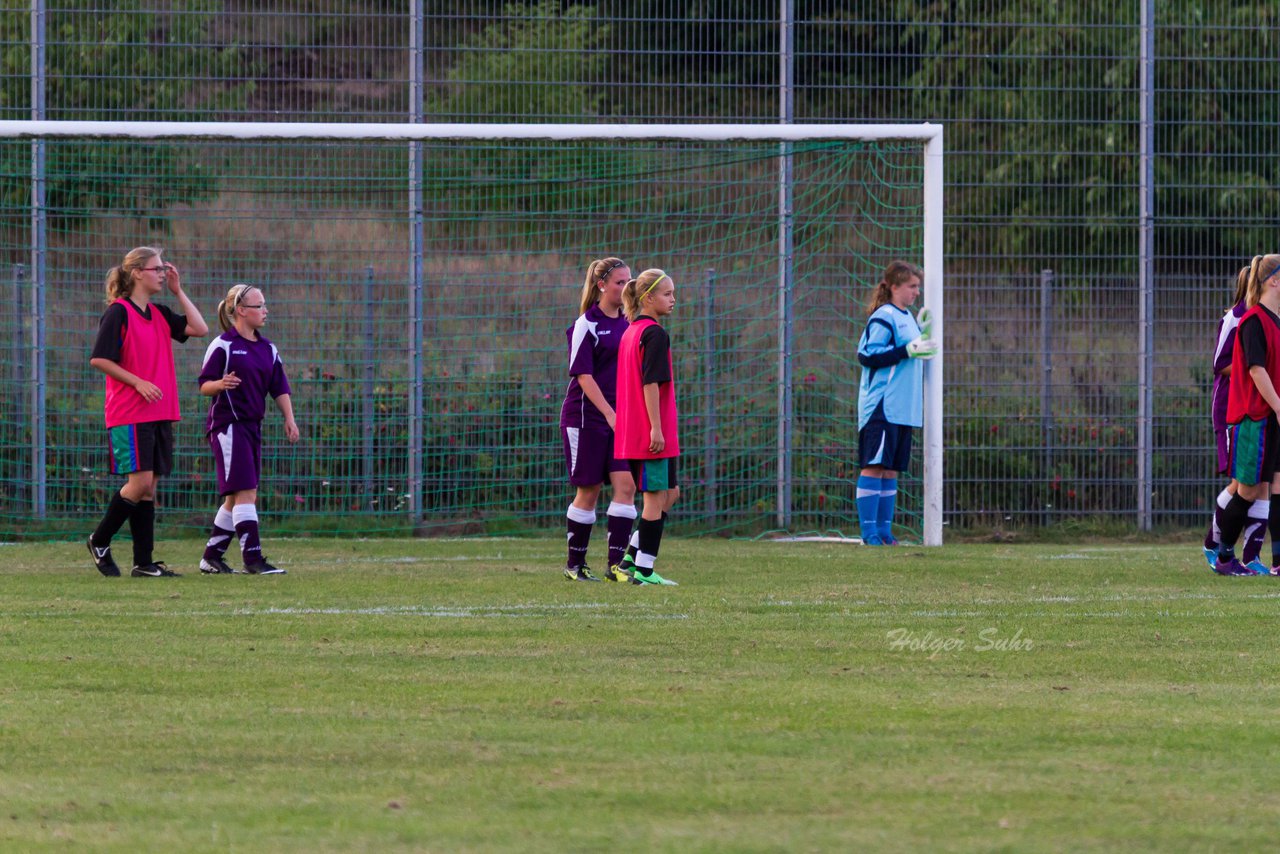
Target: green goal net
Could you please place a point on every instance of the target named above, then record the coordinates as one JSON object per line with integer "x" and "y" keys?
{"x": 419, "y": 293}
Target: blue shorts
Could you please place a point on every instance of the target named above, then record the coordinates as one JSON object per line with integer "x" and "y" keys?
{"x": 141, "y": 447}
{"x": 237, "y": 455}
{"x": 883, "y": 444}
{"x": 588, "y": 454}
{"x": 655, "y": 475}
{"x": 1253, "y": 446}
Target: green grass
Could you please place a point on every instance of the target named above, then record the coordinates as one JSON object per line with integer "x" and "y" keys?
{"x": 396, "y": 695}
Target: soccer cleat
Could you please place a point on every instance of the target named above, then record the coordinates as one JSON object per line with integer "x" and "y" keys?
{"x": 1275, "y": 570}
{"x": 154, "y": 570}
{"x": 617, "y": 573}
{"x": 872, "y": 540}
{"x": 1230, "y": 567}
{"x": 1211, "y": 555}
{"x": 638, "y": 577}
{"x": 217, "y": 566}
{"x": 889, "y": 541}
{"x": 579, "y": 573}
{"x": 263, "y": 568}
{"x": 1257, "y": 567}
{"x": 103, "y": 560}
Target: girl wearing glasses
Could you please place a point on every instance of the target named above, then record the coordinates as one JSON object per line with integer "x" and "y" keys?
{"x": 587, "y": 418}
{"x": 1252, "y": 408}
{"x": 647, "y": 435}
{"x": 241, "y": 367}
{"x": 134, "y": 348}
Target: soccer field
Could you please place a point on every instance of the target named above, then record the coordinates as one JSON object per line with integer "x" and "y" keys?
{"x": 396, "y": 695}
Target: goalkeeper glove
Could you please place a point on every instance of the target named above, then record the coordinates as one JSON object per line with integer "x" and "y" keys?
{"x": 922, "y": 348}
{"x": 926, "y": 322}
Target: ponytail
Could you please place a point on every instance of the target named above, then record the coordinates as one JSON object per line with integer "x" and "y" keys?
{"x": 1261, "y": 268}
{"x": 120, "y": 278}
{"x": 635, "y": 291}
{"x": 597, "y": 272}
{"x": 227, "y": 308}
{"x": 896, "y": 273}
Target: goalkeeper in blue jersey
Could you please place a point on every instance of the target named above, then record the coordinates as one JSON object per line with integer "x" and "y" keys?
{"x": 890, "y": 396}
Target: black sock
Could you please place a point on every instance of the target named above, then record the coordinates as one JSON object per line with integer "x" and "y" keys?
{"x": 1231, "y": 522}
{"x": 142, "y": 524}
{"x": 118, "y": 511}
{"x": 650, "y": 541}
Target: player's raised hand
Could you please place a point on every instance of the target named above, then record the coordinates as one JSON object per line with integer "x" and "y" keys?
{"x": 925, "y": 319}
{"x": 172, "y": 279}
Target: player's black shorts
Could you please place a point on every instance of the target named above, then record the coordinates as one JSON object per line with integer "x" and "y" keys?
{"x": 654, "y": 475}
{"x": 141, "y": 447}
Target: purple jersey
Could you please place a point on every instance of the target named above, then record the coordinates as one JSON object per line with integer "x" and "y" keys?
{"x": 1222, "y": 360}
{"x": 593, "y": 349}
{"x": 261, "y": 373}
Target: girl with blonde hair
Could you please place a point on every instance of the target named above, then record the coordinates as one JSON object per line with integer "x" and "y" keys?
{"x": 1252, "y": 408}
{"x": 241, "y": 369}
{"x": 588, "y": 417}
{"x": 648, "y": 436}
{"x": 134, "y": 349}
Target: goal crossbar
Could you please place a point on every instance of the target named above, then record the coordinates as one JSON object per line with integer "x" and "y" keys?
{"x": 409, "y": 132}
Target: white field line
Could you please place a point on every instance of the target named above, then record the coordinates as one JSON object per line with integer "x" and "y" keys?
{"x": 593, "y": 609}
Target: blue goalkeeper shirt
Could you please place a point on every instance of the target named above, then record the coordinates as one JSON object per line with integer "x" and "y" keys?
{"x": 889, "y": 377}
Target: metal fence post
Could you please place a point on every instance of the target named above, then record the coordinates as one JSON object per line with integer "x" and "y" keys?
{"x": 786, "y": 272}
{"x": 1046, "y": 384}
{"x": 416, "y": 249}
{"x": 367, "y": 402}
{"x": 1146, "y": 261}
{"x": 709, "y": 460}
{"x": 39, "y": 262}
{"x": 19, "y": 345}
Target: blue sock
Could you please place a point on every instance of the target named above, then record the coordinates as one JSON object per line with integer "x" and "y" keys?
{"x": 868, "y": 507}
{"x": 888, "y": 499}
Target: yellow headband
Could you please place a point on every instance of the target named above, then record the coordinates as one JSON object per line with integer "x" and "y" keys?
{"x": 654, "y": 285}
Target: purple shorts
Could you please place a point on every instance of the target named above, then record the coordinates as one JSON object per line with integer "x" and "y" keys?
{"x": 589, "y": 455}
{"x": 1224, "y": 452}
{"x": 237, "y": 455}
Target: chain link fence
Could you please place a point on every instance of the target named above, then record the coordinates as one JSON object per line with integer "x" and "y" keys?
{"x": 1052, "y": 290}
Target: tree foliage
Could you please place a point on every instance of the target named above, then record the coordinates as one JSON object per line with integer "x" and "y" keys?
{"x": 132, "y": 63}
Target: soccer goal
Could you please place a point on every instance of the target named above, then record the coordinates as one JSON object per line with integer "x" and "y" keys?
{"x": 421, "y": 279}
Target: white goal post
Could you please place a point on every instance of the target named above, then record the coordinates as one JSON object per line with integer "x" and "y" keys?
{"x": 931, "y": 135}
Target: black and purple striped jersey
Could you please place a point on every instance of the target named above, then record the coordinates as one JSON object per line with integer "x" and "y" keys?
{"x": 261, "y": 373}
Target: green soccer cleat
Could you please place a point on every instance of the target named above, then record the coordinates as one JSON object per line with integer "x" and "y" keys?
{"x": 638, "y": 577}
